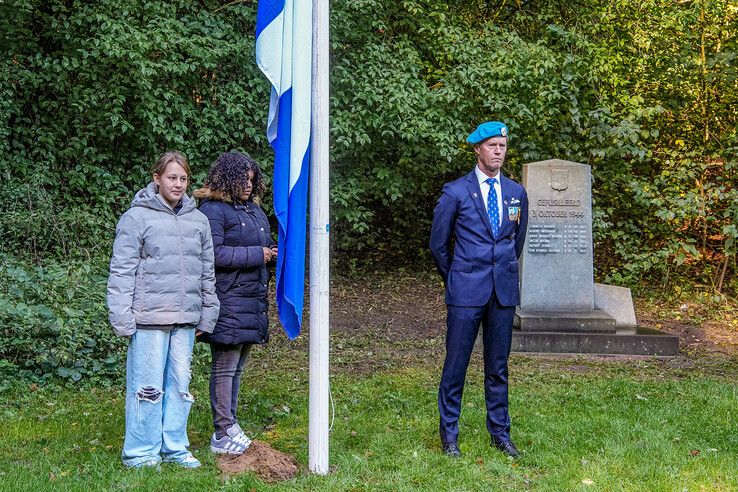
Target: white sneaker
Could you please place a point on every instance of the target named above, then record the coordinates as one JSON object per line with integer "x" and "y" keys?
{"x": 234, "y": 442}
{"x": 150, "y": 463}
{"x": 188, "y": 461}
{"x": 244, "y": 437}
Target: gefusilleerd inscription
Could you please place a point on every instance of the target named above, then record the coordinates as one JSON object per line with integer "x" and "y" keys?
{"x": 550, "y": 208}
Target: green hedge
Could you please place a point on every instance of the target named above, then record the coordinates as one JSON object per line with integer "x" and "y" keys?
{"x": 53, "y": 322}
{"x": 92, "y": 92}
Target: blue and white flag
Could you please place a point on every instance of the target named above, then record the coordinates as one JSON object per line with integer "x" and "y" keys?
{"x": 284, "y": 55}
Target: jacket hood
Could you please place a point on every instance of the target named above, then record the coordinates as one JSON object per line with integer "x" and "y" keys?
{"x": 206, "y": 193}
{"x": 149, "y": 197}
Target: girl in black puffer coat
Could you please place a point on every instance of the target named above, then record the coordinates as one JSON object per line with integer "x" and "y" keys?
{"x": 243, "y": 246}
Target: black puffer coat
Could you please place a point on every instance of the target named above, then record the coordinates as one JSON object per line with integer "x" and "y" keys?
{"x": 240, "y": 232}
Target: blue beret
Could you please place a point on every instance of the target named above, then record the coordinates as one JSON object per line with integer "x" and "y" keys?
{"x": 487, "y": 130}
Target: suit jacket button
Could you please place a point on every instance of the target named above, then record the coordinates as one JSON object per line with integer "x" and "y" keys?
{"x": 494, "y": 264}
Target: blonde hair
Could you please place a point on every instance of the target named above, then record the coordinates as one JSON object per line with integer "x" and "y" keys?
{"x": 161, "y": 164}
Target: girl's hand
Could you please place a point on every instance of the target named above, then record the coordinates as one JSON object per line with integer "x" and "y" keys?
{"x": 268, "y": 253}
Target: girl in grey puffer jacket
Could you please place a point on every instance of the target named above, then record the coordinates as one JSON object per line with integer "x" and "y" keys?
{"x": 161, "y": 290}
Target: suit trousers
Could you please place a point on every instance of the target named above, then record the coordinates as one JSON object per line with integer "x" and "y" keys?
{"x": 462, "y": 327}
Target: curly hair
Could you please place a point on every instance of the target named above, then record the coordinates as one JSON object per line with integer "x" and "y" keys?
{"x": 228, "y": 177}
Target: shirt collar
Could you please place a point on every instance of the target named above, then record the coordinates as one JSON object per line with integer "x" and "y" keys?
{"x": 481, "y": 177}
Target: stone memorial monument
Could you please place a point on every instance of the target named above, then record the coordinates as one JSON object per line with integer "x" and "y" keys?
{"x": 561, "y": 308}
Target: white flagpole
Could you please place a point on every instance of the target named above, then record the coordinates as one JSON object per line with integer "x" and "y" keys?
{"x": 319, "y": 242}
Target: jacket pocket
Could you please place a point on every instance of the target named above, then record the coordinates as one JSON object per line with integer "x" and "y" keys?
{"x": 514, "y": 266}
{"x": 223, "y": 283}
{"x": 461, "y": 266}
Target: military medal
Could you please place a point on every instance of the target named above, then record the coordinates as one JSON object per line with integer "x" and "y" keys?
{"x": 513, "y": 210}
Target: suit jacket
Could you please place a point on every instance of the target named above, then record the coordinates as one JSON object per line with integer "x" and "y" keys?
{"x": 477, "y": 264}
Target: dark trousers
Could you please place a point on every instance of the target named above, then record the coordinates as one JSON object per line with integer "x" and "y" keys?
{"x": 225, "y": 379}
{"x": 462, "y": 327}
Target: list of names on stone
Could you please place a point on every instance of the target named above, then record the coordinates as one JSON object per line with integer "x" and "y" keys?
{"x": 557, "y": 239}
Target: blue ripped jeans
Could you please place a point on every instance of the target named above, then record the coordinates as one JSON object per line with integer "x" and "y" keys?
{"x": 158, "y": 400}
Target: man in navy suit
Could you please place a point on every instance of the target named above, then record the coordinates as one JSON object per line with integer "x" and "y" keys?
{"x": 477, "y": 237}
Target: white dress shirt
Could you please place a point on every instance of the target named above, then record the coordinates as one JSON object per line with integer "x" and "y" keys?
{"x": 481, "y": 177}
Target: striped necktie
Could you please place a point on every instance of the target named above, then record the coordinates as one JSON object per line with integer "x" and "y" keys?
{"x": 493, "y": 210}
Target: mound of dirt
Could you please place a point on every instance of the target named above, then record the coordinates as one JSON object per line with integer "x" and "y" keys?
{"x": 268, "y": 463}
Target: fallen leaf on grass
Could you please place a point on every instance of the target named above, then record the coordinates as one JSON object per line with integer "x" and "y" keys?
{"x": 694, "y": 452}
{"x": 639, "y": 397}
{"x": 588, "y": 481}
{"x": 712, "y": 450}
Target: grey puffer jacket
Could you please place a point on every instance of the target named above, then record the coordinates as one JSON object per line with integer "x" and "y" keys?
{"x": 161, "y": 272}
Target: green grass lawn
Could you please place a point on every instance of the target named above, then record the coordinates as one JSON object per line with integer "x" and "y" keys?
{"x": 582, "y": 424}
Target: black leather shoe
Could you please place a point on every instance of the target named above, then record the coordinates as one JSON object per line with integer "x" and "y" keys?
{"x": 451, "y": 449}
{"x": 506, "y": 447}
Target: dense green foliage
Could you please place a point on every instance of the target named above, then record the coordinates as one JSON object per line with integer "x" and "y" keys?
{"x": 91, "y": 92}
{"x": 676, "y": 210}
{"x": 54, "y": 323}
{"x": 643, "y": 92}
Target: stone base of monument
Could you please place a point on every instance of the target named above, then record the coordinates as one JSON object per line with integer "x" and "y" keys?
{"x": 626, "y": 341}
{"x": 589, "y": 321}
